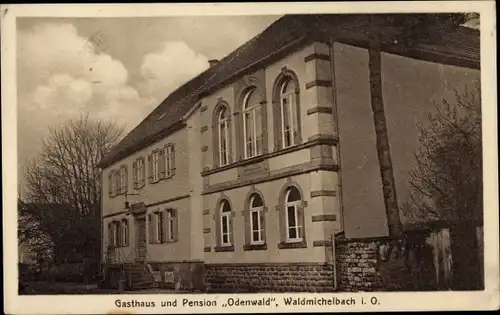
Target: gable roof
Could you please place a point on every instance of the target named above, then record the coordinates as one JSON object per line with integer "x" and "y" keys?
{"x": 290, "y": 32}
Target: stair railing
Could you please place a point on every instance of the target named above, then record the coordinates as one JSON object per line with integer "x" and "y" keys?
{"x": 149, "y": 269}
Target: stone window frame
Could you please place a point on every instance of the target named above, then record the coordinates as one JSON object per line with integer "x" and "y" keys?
{"x": 218, "y": 225}
{"x": 246, "y": 84}
{"x": 283, "y": 224}
{"x": 285, "y": 76}
{"x": 221, "y": 105}
{"x": 249, "y": 244}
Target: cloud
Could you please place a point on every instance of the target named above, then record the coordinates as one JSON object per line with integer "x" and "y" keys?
{"x": 168, "y": 68}
{"x": 63, "y": 75}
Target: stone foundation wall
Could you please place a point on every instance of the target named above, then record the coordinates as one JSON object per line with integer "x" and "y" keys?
{"x": 187, "y": 276}
{"x": 358, "y": 265}
{"x": 283, "y": 277}
{"x": 369, "y": 265}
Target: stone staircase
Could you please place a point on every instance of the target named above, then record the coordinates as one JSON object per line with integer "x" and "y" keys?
{"x": 138, "y": 276}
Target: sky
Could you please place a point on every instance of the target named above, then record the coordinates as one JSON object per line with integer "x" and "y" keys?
{"x": 112, "y": 68}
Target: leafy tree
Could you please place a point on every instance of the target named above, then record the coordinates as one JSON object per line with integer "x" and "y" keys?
{"x": 411, "y": 29}
{"x": 447, "y": 179}
{"x": 63, "y": 188}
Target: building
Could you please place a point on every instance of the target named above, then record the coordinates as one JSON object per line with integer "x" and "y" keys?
{"x": 240, "y": 179}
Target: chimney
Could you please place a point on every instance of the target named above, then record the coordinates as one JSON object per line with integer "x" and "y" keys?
{"x": 213, "y": 62}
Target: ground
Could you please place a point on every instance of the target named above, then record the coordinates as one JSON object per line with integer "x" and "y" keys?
{"x": 47, "y": 287}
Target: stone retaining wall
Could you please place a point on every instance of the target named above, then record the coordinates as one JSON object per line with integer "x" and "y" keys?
{"x": 187, "y": 275}
{"x": 283, "y": 277}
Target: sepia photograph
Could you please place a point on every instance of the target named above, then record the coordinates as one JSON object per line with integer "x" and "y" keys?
{"x": 200, "y": 155}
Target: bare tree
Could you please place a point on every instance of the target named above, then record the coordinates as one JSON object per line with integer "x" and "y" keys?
{"x": 63, "y": 186}
{"x": 447, "y": 179}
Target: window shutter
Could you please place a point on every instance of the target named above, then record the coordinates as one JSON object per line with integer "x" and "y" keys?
{"x": 165, "y": 227}
{"x": 110, "y": 235}
{"x": 119, "y": 233}
{"x": 175, "y": 232}
{"x": 134, "y": 174}
{"x": 150, "y": 168}
{"x": 126, "y": 179}
{"x": 143, "y": 176}
{"x": 117, "y": 183}
{"x": 173, "y": 160}
{"x": 110, "y": 184}
{"x": 161, "y": 162}
{"x": 150, "y": 229}
{"x": 155, "y": 228}
{"x": 125, "y": 232}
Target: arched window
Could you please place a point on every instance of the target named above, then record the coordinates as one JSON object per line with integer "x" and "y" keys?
{"x": 223, "y": 136}
{"x": 252, "y": 124}
{"x": 225, "y": 223}
{"x": 289, "y": 123}
{"x": 256, "y": 220}
{"x": 293, "y": 215}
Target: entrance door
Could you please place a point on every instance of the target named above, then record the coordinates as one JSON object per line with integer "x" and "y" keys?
{"x": 141, "y": 239}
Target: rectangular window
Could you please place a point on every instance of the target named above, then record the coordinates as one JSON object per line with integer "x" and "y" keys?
{"x": 112, "y": 184}
{"x": 225, "y": 230}
{"x": 289, "y": 119}
{"x": 169, "y": 155}
{"x": 258, "y": 131}
{"x": 257, "y": 226}
{"x": 151, "y": 228}
{"x": 141, "y": 168}
{"x": 156, "y": 166}
{"x": 123, "y": 179}
{"x": 139, "y": 173}
{"x": 223, "y": 139}
{"x": 160, "y": 237}
{"x": 118, "y": 184}
{"x": 171, "y": 225}
{"x": 116, "y": 234}
{"x": 294, "y": 229}
{"x": 125, "y": 232}
{"x": 249, "y": 134}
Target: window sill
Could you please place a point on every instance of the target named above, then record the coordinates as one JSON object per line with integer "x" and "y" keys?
{"x": 163, "y": 243}
{"x": 249, "y": 247}
{"x": 224, "y": 248}
{"x": 287, "y": 245}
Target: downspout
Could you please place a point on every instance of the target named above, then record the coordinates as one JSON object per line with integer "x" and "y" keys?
{"x": 337, "y": 149}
